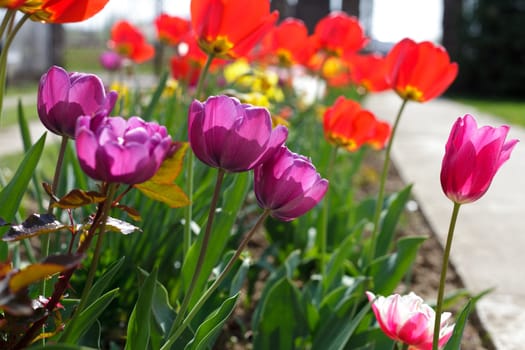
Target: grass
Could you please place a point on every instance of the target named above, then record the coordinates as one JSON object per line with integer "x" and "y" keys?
{"x": 511, "y": 111}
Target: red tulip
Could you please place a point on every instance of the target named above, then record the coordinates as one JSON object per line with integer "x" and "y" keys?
{"x": 419, "y": 71}
{"x": 339, "y": 33}
{"x": 171, "y": 29}
{"x": 58, "y": 11}
{"x": 369, "y": 72}
{"x": 347, "y": 125}
{"x": 230, "y": 28}
{"x": 129, "y": 42}
{"x": 473, "y": 156}
{"x": 277, "y": 42}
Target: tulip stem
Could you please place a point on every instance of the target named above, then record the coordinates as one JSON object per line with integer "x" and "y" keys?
{"x": 44, "y": 242}
{"x": 444, "y": 266}
{"x": 5, "y": 21}
{"x": 324, "y": 212}
{"x": 202, "y": 253}
{"x": 217, "y": 281}
{"x": 3, "y": 57}
{"x": 186, "y": 239}
{"x": 202, "y": 77}
{"x": 382, "y": 181}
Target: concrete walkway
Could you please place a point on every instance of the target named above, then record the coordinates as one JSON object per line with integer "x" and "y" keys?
{"x": 488, "y": 250}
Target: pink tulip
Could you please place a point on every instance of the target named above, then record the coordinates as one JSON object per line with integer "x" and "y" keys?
{"x": 113, "y": 149}
{"x": 288, "y": 185}
{"x": 63, "y": 97}
{"x": 473, "y": 156}
{"x": 227, "y": 134}
{"x": 408, "y": 320}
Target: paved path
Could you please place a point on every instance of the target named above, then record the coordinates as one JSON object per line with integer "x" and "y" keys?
{"x": 488, "y": 250}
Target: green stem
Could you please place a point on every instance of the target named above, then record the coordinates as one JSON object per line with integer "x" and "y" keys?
{"x": 7, "y": 17}
{"x": 111, "y": 190}
{"x": 98, "y": 247}
{"x": 188, "y": 214}
{"x": 382, "y": 181}
{"x": 403, "y": 346}
{"x": 44, "y": 242}
{"x": 324, "y": 212}
{"x": 202, "y": 254}
{"x": 217, "y": 282}
{"x": 3, "y": 58}
{"x": 202, "y": 77}
{"x": 444, "y": 266}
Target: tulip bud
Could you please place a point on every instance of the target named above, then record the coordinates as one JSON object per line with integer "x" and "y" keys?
{"x": 473, "y": 156}
{"x": 224, "y": 133}
{"x": 288, "y": 185}
{"x": 63, "y": 97}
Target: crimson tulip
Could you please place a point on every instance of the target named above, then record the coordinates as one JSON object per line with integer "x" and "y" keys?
{"x": 419, "y": 71}
{"x": 229, "y": 29}
{"x": 473, "y": 156}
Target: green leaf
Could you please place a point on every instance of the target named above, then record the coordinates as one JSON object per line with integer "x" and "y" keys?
{"x": 232, "y": 202}
{"x": 283, "y": 318}
{"x": 338, "y": 328}
{"x": 62, "y": 347}
{"x": 285, "y": 270}
{"x": 454, "y": 343}
{"x": 395, "y": 206}
{"x": 389, "y": 270}
{"x": 334, "y": 268}
{"x": 34, "y": 225}
{"x": 210, "y": 328}
{"x": 12, "y": 194}
{"x": 148, "y": 113}
{"x": 104, "y": 281}
{"x": 139, "y": 322}
{"x": 88, "y": 317}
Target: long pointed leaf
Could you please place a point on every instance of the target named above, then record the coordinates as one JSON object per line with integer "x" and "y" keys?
{"x": 139, "y": 322}
{"x": 12, "y": 194}
{"x": 88, "y": 317}
{"x": 210, "y": 328}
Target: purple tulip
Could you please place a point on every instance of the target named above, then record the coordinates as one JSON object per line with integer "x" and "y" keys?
{"x": 117, "y": 150}
{"x": 473, "y": 156}
{"x": 288, "y": 185}
{"x": 63, "y": 97}
{"x": 111, "y": 60}
{"x": 226, "y": 134}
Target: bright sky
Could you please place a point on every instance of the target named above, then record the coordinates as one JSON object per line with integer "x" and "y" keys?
{"x": 392, "y": 19}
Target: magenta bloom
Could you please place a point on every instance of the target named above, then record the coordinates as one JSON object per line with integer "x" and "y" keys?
{"x": 408, "y": 320}
{"x": 63, "y": 97}
{"x": 117, "y": 150}
{"x": 288, "y": 185}
{"x": 473, "y": 156}
{"x": 227, "y": 134}
{"x": 111, "y": 60}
